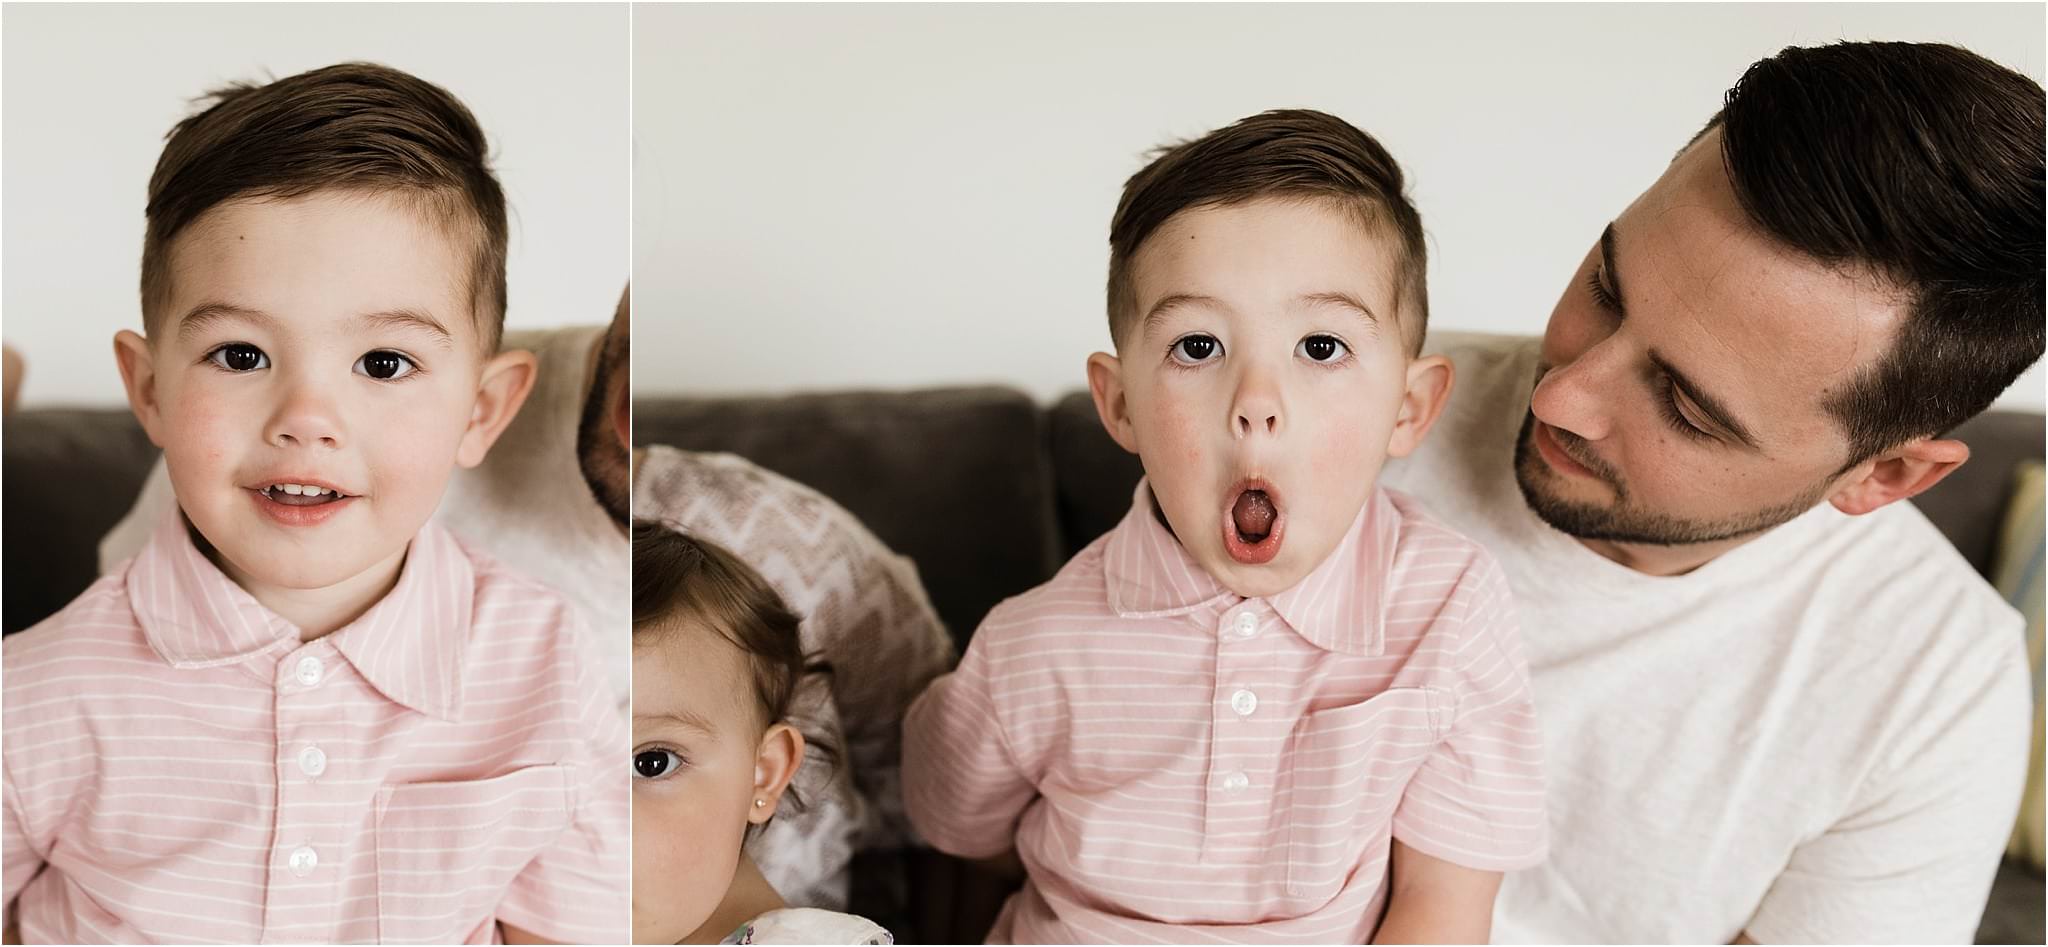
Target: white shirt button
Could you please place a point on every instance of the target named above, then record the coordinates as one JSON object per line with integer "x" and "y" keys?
{"x": 309, "y": 670}
{"x": 1247, "y": 624}
{"x": 304, "y": 859}
{"x": 1244, "y": 702}
{"x": 1236, "y": 782}
{"x": 312, "y": 761}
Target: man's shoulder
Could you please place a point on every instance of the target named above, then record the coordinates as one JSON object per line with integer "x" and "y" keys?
{"x": 1894, "y": 561}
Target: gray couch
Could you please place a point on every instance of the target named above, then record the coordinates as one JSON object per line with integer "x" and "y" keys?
{"x": 987, "y": 491}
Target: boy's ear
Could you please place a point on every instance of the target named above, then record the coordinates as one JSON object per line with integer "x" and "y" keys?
{"x": 1106, "y": 385}
{"x": 1898, "y": 474}
{"x": 507, "y": 380}
{"x": 1429, "y": 389}
{"x": 782, "y": 749}
{"x": 138, "y": 376}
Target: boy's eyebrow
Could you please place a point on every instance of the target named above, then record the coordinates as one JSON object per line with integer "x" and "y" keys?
{"x": 206, "y": 314}
{"x": 1345, "y": 300}
{"x": 1168, "y": 304}
{"x": 408, "y": 318}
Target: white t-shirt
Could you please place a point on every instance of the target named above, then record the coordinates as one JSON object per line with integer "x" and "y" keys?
{"x": 526, "y": 505}
{"x": 1820, "y": 735}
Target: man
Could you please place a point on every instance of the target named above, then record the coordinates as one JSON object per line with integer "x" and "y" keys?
{"x": 1777, "y": 704}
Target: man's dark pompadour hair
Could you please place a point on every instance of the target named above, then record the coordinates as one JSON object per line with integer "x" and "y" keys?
{"x": 1922, "y": 164}
{"x": 1286, "y": 153}
{"x": 353, "y": 126}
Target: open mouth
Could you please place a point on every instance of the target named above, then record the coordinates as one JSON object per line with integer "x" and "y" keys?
{"x": 293, "y": 504}
{"x": 1252, "y": 523}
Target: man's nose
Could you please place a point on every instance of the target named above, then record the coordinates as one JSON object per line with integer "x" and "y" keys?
{"x": 1577, "y": 396}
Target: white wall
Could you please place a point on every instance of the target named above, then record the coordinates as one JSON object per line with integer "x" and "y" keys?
{"x": 909, "y": 196}
{"x": 89, "y": 92}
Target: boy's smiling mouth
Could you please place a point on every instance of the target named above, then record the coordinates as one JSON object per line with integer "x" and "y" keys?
{"x": 1252, "y": 523}
{"x": 300, "y": 502}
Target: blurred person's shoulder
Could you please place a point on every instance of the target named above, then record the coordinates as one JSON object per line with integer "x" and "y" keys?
{"x": 1462, "y": 461}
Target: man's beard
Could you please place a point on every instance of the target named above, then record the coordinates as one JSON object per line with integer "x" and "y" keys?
{"x": 606, "y": 464}
{"x": 1622, "y": 522}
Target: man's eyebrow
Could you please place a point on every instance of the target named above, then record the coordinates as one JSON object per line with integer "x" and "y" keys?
{"x": 1714, "y": 408}
{"x": 409, "y": 318}
{"x": 1613, "y": 275}
{"x": 206, "y": 314}
{"x": 1345, "y": 300}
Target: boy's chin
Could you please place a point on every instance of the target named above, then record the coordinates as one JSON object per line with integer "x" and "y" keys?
{"x": 1255, "y": 581}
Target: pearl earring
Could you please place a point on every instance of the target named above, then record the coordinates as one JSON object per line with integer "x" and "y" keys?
{"x": 760, "y": 803}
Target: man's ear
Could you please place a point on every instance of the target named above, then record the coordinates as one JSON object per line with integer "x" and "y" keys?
{"x": 1429, "y": 390}
{"x": 1898, "y": 474}
{"x": 782, "y": 749}
{"x": 1106, "y": 385}
{"x": 138, "y": 376}
{"x": 507, "y": 380}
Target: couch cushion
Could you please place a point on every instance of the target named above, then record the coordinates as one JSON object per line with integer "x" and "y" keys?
{"x": 953, "y": 478}
{"x": 70, "y": 475}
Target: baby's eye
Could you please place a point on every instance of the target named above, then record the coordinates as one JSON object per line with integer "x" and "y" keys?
{"x": 1195, "y": 349}
{"x": 239, "y": 357}
{"x": 654, "y": 764}
{"x": 1321, "y": 348}
{"x": 385, "y": 365}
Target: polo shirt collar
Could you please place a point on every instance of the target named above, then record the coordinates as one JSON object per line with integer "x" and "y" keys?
{"x": 409, "y": 645}
{"x": 1339, "y": 606}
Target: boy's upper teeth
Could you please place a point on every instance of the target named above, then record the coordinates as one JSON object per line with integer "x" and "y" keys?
{"x": 299, "y": 489}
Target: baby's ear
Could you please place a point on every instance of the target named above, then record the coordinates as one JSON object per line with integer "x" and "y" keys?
{"x": 507, "y": 380}
{"x": 782, "y": 750}
{"x": 1429, "y": 389}
{"x": 1106, "y": 385}
{"x": 138, "y": 376}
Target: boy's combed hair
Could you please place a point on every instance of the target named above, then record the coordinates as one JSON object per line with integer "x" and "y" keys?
{"x": 1922, "y": 164}
{"x": 352, "y": 127}
{"x": 1285, "y": 153}
{"x": 677, "y": 577}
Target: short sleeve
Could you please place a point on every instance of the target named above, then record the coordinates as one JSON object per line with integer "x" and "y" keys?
{"x": 1913, "y": 860}
{"x": 1478, "y": 799}
{"x": 577, "y": 891}
{"x": 963, "y": 788}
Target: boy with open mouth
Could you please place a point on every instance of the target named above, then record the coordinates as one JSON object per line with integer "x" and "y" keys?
{"x": 1276, "y": 702}
{"x": 302, "y": 712}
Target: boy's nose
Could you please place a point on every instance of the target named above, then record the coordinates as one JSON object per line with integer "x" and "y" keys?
{"x": 304, "y": 419}
{"x": 1257, "y": 410}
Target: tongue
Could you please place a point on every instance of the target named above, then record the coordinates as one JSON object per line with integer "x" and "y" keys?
{"x": 1253, "y": 513}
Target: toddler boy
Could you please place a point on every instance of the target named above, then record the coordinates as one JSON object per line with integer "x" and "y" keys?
{"x": 302, "y": 712}
{"x": 1275, "y": 703}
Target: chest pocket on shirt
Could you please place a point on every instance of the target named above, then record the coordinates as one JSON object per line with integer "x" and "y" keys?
{"x": 446, "y": 852}
{"x": 1346, "y": 774}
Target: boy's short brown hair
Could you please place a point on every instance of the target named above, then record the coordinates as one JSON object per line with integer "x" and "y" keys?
{"x": 353, "y": 126}
{"x": 1286, "y": 153}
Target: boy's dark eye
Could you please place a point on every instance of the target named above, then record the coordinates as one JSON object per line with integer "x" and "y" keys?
{"x": 1192, "y": 349}
{"x": 1321, "y": 348}
{"x": 654, "y": 764}
{"x": 385, "y": 366}
{"x": 239, "y": 357}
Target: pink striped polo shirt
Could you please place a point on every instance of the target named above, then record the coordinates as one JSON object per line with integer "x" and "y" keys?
{"x": 1176, "y": 763}
{"x": 180, "y": 768}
